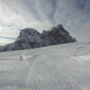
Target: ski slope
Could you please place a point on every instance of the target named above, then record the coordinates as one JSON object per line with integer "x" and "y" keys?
{"x": 60, "y": 67}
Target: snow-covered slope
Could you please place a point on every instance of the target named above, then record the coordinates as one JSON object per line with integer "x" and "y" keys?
{"x": 60, "y": 67}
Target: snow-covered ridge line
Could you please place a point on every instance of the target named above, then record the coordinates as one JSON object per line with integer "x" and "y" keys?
{"x": 31, "y": 38}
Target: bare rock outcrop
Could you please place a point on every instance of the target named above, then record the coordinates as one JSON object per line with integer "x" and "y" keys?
{"x": 31, "y": 38}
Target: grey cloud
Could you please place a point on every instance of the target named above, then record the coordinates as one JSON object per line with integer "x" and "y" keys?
{"x": 41, "y": 14}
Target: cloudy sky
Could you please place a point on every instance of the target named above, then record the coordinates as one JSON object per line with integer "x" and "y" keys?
{"x": 42, "y": 14}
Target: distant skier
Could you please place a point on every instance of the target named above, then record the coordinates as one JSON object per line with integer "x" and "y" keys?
{"x": 21, "y": 58}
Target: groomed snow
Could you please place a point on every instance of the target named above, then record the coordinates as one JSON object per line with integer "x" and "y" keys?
{"x": 60, "y": 67}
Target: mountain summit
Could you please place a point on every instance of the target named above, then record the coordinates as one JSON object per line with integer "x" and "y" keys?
{"x": 31, "y": 38}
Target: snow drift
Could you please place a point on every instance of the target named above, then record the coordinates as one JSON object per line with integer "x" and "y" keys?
{"x": 59, "y": 67}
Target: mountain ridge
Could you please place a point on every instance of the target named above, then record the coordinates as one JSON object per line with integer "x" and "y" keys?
{"x": 31, "y": 38}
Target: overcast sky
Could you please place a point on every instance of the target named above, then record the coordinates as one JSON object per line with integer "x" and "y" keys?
{"x": 42, "y": 14}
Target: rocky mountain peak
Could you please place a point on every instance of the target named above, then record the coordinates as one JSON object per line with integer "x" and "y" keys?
{"x": 31, "y": 38}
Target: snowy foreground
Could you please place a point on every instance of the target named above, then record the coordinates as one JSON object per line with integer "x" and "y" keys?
{"x": 60, "y": 67}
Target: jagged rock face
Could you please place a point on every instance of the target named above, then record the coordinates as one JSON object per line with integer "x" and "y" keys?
{"x": 57, "y": 35}
{"x": 31, "y": 38}
{"x": 28, "y": 38}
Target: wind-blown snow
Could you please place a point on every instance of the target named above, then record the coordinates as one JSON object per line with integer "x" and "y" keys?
{"x": 60, "y": 67}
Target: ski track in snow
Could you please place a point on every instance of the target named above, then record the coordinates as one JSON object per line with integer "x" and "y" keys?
{"x": 60, "y": 67}
{"x": 81, "y": 55}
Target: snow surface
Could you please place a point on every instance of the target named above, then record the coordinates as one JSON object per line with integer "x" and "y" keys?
{"x": 60, "y": 67}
